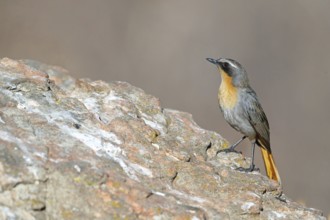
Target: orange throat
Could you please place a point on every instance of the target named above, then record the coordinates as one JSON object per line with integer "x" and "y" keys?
{"x": 227, "y": 92}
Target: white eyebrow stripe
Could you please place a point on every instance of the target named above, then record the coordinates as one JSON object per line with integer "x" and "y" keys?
{"x": 231, "y": 63}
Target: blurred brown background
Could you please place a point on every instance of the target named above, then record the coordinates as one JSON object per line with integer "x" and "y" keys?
{"x": 161, "y": 47}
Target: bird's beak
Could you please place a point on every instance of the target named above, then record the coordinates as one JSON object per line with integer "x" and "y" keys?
{"x": 214, "y": 61}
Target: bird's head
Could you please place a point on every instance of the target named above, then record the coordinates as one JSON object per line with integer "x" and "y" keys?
{"x": 232, "y": 69}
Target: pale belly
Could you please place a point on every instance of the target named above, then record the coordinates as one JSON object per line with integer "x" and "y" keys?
{"x": 235, "y": 118}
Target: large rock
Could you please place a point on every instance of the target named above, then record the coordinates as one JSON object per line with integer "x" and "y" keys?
{"x": 77, "y": 149}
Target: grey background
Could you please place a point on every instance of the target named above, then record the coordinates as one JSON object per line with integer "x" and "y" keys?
{"x": 161, "y": 47}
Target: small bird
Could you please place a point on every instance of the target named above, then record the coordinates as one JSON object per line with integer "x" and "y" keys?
{"x": 242, "y": 110}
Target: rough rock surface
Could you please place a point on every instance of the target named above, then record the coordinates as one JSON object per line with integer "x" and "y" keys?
{"x": 77, "y": 149}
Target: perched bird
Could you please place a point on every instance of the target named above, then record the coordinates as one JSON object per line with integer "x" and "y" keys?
{"x": 242, "y": 110}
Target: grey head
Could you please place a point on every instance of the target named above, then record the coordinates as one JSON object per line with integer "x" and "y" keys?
{"x": 233, "y": 69}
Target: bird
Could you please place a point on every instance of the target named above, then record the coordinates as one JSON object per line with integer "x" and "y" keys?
{"x": 242, "y": 111}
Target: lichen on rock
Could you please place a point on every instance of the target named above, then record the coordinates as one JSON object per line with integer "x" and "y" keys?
{"x": 81, "y": 149}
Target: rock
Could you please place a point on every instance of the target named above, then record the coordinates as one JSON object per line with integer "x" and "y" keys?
{"x": 78, "y": 149}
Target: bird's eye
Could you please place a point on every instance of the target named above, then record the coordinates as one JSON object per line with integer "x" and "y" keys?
{"x": 225, "y": 65}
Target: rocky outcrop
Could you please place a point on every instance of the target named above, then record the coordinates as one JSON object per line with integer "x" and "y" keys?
{"x": 77, "y": 149}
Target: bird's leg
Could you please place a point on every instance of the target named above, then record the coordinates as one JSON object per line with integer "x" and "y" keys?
{"x": 232, "y": 147}
{"x": 252, "y": 166}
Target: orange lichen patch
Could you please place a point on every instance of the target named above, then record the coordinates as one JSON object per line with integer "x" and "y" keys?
{"x": 6, "y": 62}
{"x": 228, "y": 92}
{"x": 134, "y": 203}
{"x": 184, "y": 216}
{"x": 105, "y": 196}
{"x": 21, "y": 68}
{"x": 31, "y": 72}
{"x": 113, "y": 184}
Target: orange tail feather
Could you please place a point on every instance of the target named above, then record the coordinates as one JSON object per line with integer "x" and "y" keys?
{"x": 270, "y": 166}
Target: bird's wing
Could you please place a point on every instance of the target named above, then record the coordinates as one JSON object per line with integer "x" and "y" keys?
{"x": 257, "y": 118}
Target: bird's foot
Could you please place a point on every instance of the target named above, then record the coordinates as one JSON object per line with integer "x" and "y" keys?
{"x": 281, "y": 198}
{"x": 229, "y": 150}
{"x": 249, "y": 169}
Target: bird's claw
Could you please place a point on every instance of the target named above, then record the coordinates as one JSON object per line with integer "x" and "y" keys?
{"x": 250, "y": 169}
{"x": 280, "y": 198}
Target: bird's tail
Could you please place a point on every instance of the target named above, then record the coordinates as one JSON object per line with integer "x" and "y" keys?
{"x": 270, "y": 166}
